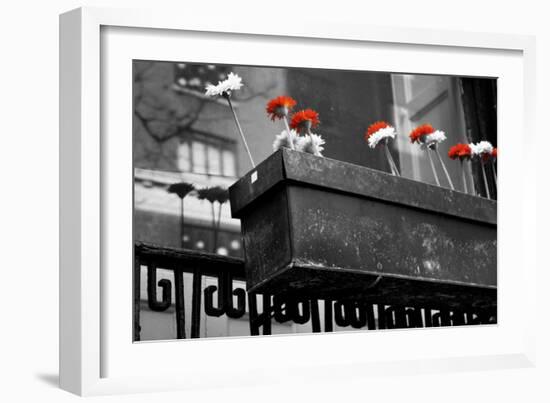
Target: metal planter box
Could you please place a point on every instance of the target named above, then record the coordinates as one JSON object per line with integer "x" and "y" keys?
{"x": 323, "y": 228}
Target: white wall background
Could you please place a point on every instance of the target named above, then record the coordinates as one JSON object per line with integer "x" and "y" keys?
{"x": 29, "y": 201}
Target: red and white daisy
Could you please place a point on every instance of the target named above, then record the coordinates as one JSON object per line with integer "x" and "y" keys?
{"x": 379, "y": 131}
{"x": 461, "y": 151}
{"x": 428, "y": 137}
{"x": 418, "y": 135}
{"x": 280, "y": 107}
{"x": 305, "y": 120}
{"x": 494, "y": 154}
{"x": 483, "y": 150}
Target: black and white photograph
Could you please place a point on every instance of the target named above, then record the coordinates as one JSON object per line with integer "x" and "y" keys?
{"x": 272, "y": 200}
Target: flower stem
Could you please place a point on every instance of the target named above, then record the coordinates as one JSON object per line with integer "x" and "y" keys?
{"x": 485, "y": 179}
{"x": 393, "y": 163}
{"x": 214, "y": 230}
{"x": 389, "y": 157}
{"x": 182, "y": 218}
{"x": 494, "y": 169}
{"x": 444, "y": 168}
{"x": 433, "y": 167}
{"x": 288, "y": 134}
{"x": 240, "y": 129}
{"x": 386, "y": 153}
{"x": 463, "y": 169}
{"x": 219, "y": 222}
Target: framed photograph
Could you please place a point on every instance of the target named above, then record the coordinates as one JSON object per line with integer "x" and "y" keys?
{"x": 247, "y": 202}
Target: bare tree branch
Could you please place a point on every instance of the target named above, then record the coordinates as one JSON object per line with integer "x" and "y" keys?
{"x": 164, "y": 113}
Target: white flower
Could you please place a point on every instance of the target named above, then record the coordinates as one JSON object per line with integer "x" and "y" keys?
{"x": 483, "y": 147}
{"x": 232, "y": 83}
{"x": 311, "y": 143}
{"x": 434, "y": 138}
{"x": 281, "y": 140}
{"x": 384, "y": 133}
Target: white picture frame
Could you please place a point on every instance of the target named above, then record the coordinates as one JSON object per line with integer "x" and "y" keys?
{"x": 87, "y": 312}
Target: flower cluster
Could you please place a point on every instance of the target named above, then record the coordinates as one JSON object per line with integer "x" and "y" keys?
{"x": 379, "y": 131}
{"x": 305, "y": 120}
{"x": 461, "y": 151}
{"x": 483, "y": 150}
{"x": 285, "y": 139}
{"x": 301, "y": 123}
{"x": 427, "y": 136}
{"x": 224, "y": 88}
{"x": 280, "y": 107}
{"x": 434, "y": 138}
{"x": 311, "y": 143}
{"x": 419, "y": 134}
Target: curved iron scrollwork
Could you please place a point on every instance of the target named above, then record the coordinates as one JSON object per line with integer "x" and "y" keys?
{"x": 166, "y": 285}
{"x": 350, "y": 313}
{"x": 286, "y": 308}
{"x": 224, "y": 299}
{"x": 225, "y": 303}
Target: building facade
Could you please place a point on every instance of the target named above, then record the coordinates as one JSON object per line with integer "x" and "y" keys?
{"x": 182, "y": 136}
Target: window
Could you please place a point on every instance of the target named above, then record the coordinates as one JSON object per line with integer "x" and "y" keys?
{"x": 208, "y": 155}
{"x": 196, "y": 76}
{"x": 214, "y": 160}
{"x": 184, "y": 157}
{"x": 229, "y": 166}
{"x": 427, "y": 99}
{"x": 199, "y": 157}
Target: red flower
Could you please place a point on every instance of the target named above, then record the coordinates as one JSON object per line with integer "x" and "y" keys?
{"x": 454, "y": 151}
{"x": 375, "y": 127}
{"x": 494, "y": 153}
{"x": 279, "y": 107}
{"x": 461, "y": 151}
{"x": 417, "y": 135}
{"x": 303, "y": 120}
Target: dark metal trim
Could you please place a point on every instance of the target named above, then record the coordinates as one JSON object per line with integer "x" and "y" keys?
{"x": 337, "y": 176}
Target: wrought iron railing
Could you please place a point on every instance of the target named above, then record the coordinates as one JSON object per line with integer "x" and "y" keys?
{"x": 226, "y": 298}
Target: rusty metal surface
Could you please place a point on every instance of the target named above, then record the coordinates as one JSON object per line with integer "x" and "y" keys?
{"x": 324, "y": 228}
{"x": 334, "y": 230}
{"x": 267, "y": 235}
{"x": 288, "y": 165}
{"x": 256, "y": 183}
